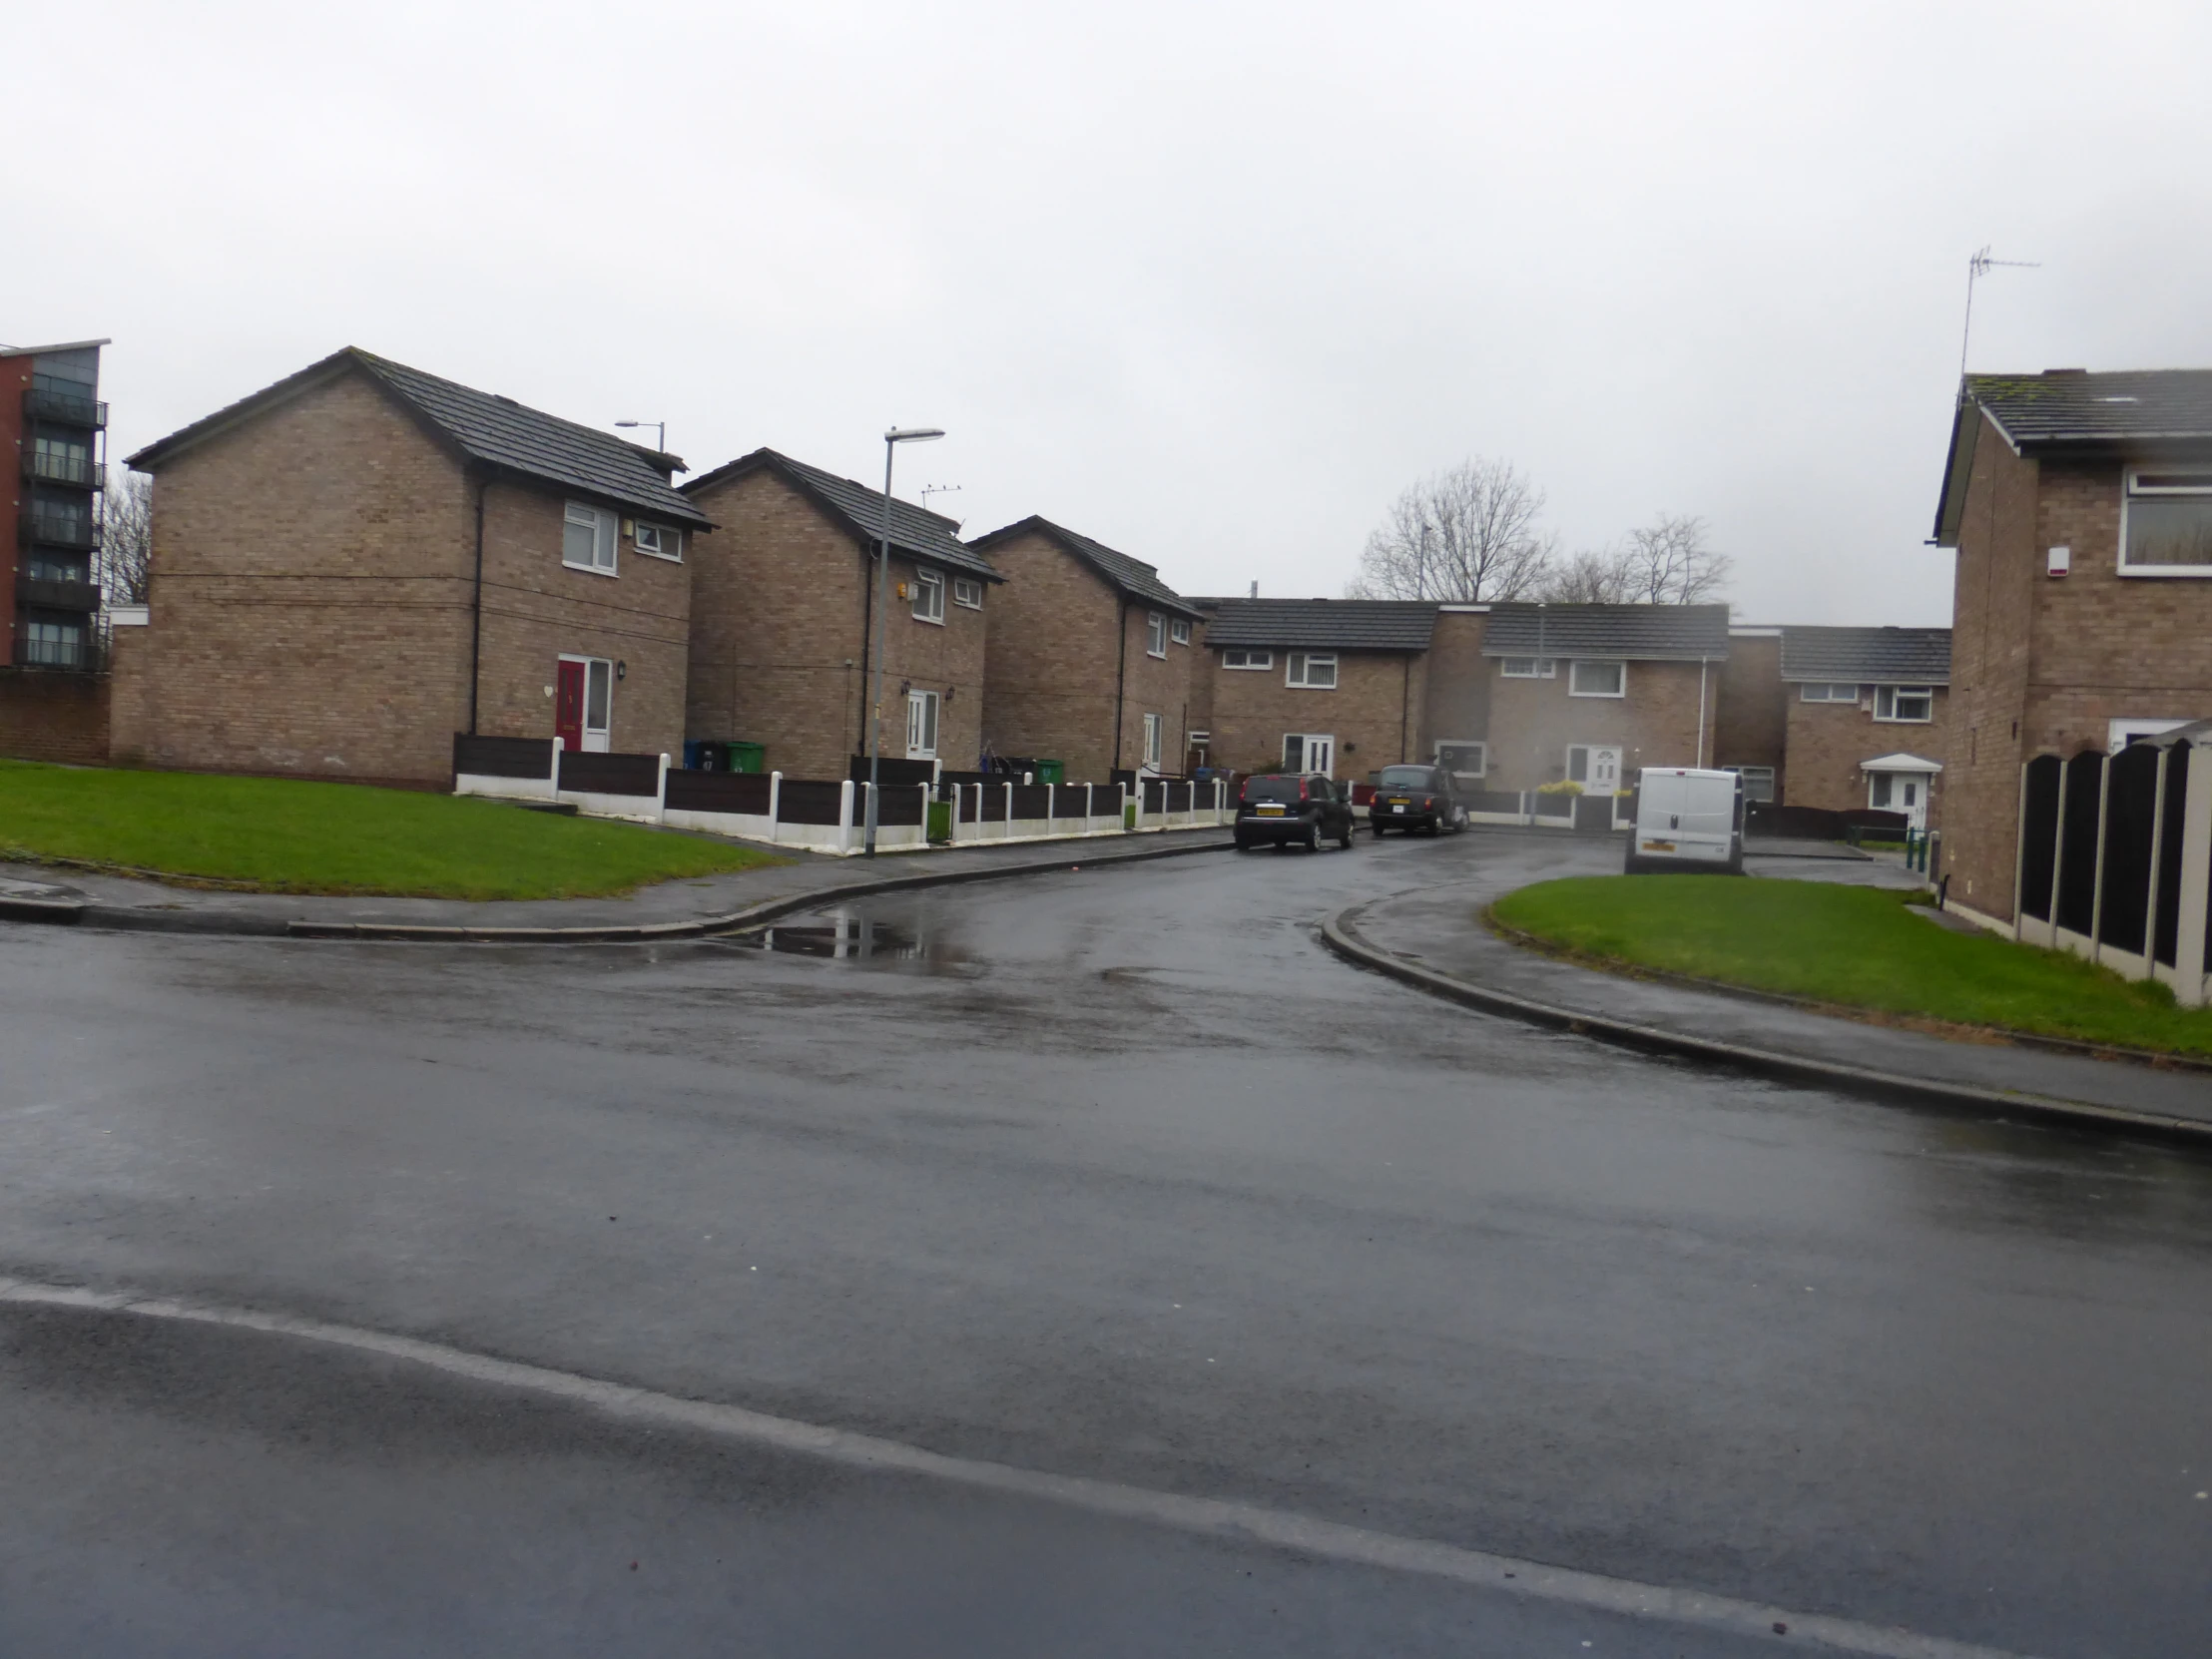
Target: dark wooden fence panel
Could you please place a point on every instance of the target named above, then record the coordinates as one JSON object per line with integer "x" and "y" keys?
{"x": 718, "y": 791}
{"x": 898, "y": 807}
{"x": 2131, "y": 805}
{"x": 900, "y": 771}
{"x": 1030, "y": 800}
{"x": 2077, "y": 857}
{"x": 611, "y": 774}
{"x": 1553, "y": 806}
{"x": 1593, "y": 813}
{"x": 1493, "y": 801}
{"x": 504, "y": 757}
{"x": 2040, "y": 834}
{"x": 807, "y": 801}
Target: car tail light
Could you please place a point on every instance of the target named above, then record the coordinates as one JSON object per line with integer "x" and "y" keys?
{"x": 1302, "y": 788}
{"x": 1428, "y": 804}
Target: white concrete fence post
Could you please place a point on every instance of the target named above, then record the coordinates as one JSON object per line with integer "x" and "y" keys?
{"x": 1007, "y": 833}
{"x": 775, "y": 805}
{"x": 844, "y": 817}
{"x": 659, "y": 794}
{"x": 2196, "y": 879}
{"x": 553, "y": 781}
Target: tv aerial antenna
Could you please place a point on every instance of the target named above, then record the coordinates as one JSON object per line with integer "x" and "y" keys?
{"x": 928, "y": 490}
{"x": 1977, "y": 268}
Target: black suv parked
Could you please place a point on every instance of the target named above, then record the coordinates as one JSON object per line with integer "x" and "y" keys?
{"x": 1416, "y": 798}
{"x": 1284, "y": 808}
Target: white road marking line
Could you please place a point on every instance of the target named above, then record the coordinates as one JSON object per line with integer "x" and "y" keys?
{"x": 1231, "y": 1521}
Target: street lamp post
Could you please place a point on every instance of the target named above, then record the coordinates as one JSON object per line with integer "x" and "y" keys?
{"x": 892, "y": 441}
{"x": 660, "y": 432}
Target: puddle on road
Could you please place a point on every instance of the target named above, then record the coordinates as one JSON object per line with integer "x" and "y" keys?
{"x": 845, "y": 936}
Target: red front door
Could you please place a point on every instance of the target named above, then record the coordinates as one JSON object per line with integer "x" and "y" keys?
{"x": 568, "y": 706}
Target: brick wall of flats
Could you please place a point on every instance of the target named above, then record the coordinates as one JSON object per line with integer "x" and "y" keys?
{"x": 1457, "y": 706}
{"x": 1532, "y": 722}
{"x": 47, "y": 716}
{"x": 1828, "y": 740}
{"x": 1753, "y": 725}
{"x": 1375, "y": 712}
{"x": 779, "y": 602}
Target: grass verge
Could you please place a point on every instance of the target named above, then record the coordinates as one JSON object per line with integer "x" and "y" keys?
{"x": 275, "y": 834}
{"x": 1858, "y": 947}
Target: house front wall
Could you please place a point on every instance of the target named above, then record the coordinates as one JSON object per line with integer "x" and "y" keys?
{"x": 1828, "y": 741}
{"x": 309, "y": 599}
{"x": 1656, "y": 724}
{"x": 1157, "y": 686}
{"x": 946, "y": 657}
{"x": 1751, "y": 726}
{"x": 1373, "y": 713}
{"x": 1456, "y": 707}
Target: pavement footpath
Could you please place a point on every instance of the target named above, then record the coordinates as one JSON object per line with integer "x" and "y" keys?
{"x": 667, "y": 910}
{"x": 1436, "y": 938}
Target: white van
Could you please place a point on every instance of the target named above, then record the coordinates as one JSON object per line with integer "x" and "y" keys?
{"x": 1687, "y": 819}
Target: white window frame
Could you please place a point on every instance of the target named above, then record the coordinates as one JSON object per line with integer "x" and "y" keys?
{"x": 968, "y": 592}
{"x": 1155, "y": 739}
{"x": 929, "y": 706}
{"x": 1155, "y": 634}
{"x": 1886, "y": 697}
{"x": 1747, "y": 773}
{"x": 929, "y": 591}
{"x": 1179, "y": 630}
{"x": 2118, "y": 732}
{"x": 1297, "y": 671}
{"x": 667, "y": 541}
{"x": 604, "y": 538}
{"x": 596, "y": 739}
{"x": 1827, "y": 690}
{"x": 1574, "y": 675}
{"x": 1239, "y": 658}
{"x": 1481, "y": 767}
{"x": 1529, "y": 668}
{"x": 2131, "y": 489}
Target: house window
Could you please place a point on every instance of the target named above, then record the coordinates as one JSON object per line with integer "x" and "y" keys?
{"x": 1906, "y": 702}
{"x": 1529, "y": 668}
{"x": 1200, "y": 744}
{"x": 2166, "y": 523}
{"x": 1463, "y": 760}
{"x": 659, "y": 541}
{"x": 1814, "y": 690}
{"x": 1314, "y": 669}
{"x": 1179, "y": 630}
{"x": 1758, "y": 782}
{"x": 1153, "y": 727}
{"x": 588, "y": 539}
{"x": 1597, "y": 679}
{"x": 1155, "y": 634}
{"x": 922, "y": 725}
{"x": 929, "y": 600}
{"x": 966, "y": 590}
{"x": 53, "y": 645}
{"x": 1247, "y": 659}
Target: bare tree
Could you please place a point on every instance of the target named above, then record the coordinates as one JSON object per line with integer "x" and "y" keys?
{"x": 1594, "y": 576}
{"x": 126, "y": 538}
{"x": 1466, "y": 535}
{"x": 1670, "y": 562}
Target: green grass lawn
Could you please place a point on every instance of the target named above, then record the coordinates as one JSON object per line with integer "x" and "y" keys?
{"x": 281, "y": 835}
{"x": 1860, "y": 946}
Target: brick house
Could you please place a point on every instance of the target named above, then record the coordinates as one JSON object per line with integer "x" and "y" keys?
{"x": 1091, "y": 657}
{"x": 2081, "y": 509}
{"x": 1868, "y": 715}
{"x": 358, "y": 562}
{"x": 782, "y": 593}
{"x": 1590, "y": 694}
{"x": 1751, "y": 726}
{"x": 1335, "y": 686}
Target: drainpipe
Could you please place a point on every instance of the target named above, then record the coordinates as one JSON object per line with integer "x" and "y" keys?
{"x": 1406, "y": 710}
{"x": 1700, "y": 763}
{"x": 1121, "y": 681}
{"x": 477, "y": 617}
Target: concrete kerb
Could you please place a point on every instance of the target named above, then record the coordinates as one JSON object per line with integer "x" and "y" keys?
{"x": 1341, "y": 935}
{"x": 110, "y": 919}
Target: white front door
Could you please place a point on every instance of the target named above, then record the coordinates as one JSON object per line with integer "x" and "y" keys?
{"x": 921, "y": 726}
{"x": 1309, "y": 752}
{"x": 1596, "y": 767}
{"x": 1899, "y": 791}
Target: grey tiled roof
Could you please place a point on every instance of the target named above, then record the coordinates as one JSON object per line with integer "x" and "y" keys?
{"x": 1132, "y": 577}
{"x": 860, "y": 509}
{"x": 1649, "y": 633}
{"x": 2067, "y": 406}
{"x": 496, "y": 431}
{"x": 1876, "y": 656}
{"x": 1323, "y": 624}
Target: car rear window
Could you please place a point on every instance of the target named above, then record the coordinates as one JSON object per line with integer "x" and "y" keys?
{"x": 1406, "y": 778}
{"x": 1273, "y": 788}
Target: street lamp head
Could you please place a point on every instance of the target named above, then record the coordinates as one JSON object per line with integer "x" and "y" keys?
{"x": 629, "y": 423}
{"x": 914, "y": 434}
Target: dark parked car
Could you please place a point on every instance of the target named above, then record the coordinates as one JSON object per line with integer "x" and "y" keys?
{"x": 1284, "y": 808}
{"x": 1416, "y": 798}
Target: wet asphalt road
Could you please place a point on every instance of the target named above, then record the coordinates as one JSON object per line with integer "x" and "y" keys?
{"x": 1109, "y": 1174}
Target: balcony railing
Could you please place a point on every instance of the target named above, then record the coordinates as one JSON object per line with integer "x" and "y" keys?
{"x": 58, "y": 529}
{"x": 80, "y": 470}
{"x": 41, "y": 404}
{"x": 79, "y": 650}
{"x": 38, "y": 593}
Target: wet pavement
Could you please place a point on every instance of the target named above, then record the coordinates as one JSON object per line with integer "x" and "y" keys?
{"x": 1112, "y": 1174}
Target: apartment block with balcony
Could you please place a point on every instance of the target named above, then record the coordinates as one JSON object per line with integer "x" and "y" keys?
{"x": 48, "y": 609}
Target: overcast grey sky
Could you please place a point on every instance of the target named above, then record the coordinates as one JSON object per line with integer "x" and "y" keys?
{"x": 1210, "y": 283}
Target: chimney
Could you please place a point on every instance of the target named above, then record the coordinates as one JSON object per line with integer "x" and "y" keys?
{"x": 1255, "y": 590}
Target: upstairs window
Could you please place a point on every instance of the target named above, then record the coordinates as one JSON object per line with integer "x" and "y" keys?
{"x": 1597, "y": 679}
{"x": 1314, "y": 669}
{"x": 588, "y": 539}
{"x": 1527, "y": 668}
{"x": 1179, "y": 630}
{"x": 966, "y": 590}
{"x": 928, "y": 599}
{"x": 1155, "y": 634}
{"x": 1247, "y": 659}
{"x": 1812, "y": 691}
{"x": 1906, "y": 702}
{"x": 2166, "y": 523}
{"x": 660, "y": 541}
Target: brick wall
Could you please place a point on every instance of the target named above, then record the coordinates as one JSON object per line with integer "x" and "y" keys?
{"x": 1375, "y": 712}
{"x": 1751, "y": 725}
{"x": 1828, "y": 740}
{"x": 1532, "y": 723}
{"x": 778, "y": 628}
{"x": 46, "y": 715}
{"x": 1457, "y": 706}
